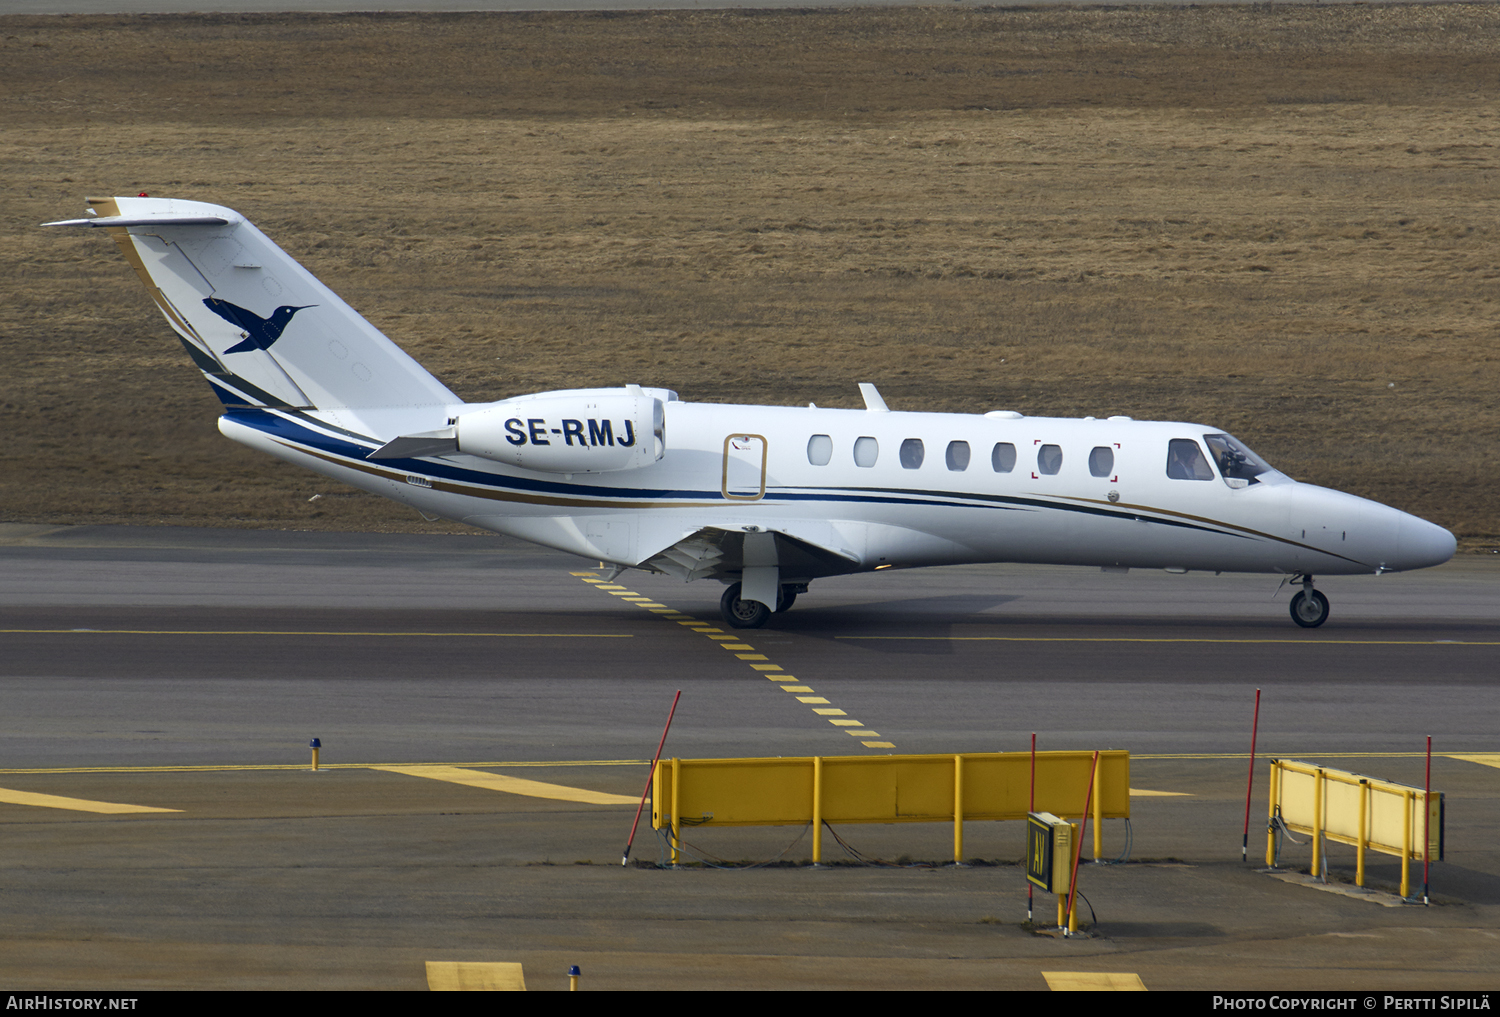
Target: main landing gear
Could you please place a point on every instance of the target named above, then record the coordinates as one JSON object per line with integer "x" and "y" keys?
{"x": 1309, "y": 607}
{"x": 752, "y": 614}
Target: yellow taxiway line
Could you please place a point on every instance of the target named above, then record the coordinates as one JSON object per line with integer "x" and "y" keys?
{"x": 1093, "y": 981}
{"x": 510, "y": 785}
{"x": 469, "y": 976}
{"x": 228, "y": 767}
{"x": 1483, "y": 758}
{"x": 735, "y": 643}
{"x": 472, "y": 774}
{"x": 9, "y": 797}
{"x": 1306, "y": 641}
{"x": 301, "y": 632}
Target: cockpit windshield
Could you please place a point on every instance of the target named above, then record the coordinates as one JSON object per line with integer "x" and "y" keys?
{"x": 1235, "y": 461}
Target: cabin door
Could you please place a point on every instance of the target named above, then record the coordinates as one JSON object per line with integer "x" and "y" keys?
{"x": 744, "y": 476}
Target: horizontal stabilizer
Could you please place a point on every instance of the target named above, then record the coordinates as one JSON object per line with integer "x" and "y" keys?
{"x": 413, "y": 446}
{"x": 157, "y": 220}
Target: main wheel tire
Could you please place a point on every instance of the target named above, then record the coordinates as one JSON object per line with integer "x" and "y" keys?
{"x": 742, "y": 614}
{"x": 785, "y": 601}
{"x": 1309, "y": 609}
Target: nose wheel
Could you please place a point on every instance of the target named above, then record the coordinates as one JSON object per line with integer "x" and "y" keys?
{"x": 1309, "y": 607}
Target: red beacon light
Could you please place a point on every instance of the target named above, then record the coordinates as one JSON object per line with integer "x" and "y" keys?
{"x": 143, "y": 194}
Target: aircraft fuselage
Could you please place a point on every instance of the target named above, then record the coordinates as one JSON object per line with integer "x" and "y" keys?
{"x": 950, "y": 506}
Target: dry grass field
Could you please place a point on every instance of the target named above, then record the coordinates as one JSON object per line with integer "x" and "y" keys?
{"x": 1276, "y": 220}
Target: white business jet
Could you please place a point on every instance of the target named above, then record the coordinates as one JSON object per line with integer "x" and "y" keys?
{"x": 764, "y": 499}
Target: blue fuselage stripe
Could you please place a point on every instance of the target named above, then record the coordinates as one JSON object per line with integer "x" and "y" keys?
{"x": 291, "y": 430}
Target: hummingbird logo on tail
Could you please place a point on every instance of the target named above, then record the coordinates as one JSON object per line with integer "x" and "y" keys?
{"x": 260, "y": 332}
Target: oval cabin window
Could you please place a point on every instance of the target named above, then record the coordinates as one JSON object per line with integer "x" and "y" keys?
{"x": 1003, "y": 457}
{"x": 958, "y": 456}
{"x": 820, "y": 450}
{"x": 912, "y": 453}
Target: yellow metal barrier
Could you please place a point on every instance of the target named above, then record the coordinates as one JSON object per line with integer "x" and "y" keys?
{"x": 791, "y": 791}
{"x": 1350, "y": 808}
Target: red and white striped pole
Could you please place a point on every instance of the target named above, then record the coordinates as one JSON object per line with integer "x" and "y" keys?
{"x": 1250, "y": 782}
{"x": 1031, "y": 807}
{"x": 625, "y": 858}
{"x": 1083, "y": 827}
{"x": 1427, "y": 824}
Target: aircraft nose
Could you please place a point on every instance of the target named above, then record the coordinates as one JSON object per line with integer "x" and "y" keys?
{"x": 1422, "y": 544}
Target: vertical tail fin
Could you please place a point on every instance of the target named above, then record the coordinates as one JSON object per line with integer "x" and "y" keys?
{"x": 261, "y": 327}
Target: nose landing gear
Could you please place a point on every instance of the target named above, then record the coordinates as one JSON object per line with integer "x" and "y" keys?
{"x": 1309, "y": 607}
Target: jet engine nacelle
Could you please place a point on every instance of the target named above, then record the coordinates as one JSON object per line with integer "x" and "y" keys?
{"x": 621, "y": 430}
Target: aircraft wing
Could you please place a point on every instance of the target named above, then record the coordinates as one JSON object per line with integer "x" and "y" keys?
{"x": 715, "y": 553}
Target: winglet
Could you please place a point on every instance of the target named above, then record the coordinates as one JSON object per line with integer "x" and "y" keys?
{"x": 873, "y": 402}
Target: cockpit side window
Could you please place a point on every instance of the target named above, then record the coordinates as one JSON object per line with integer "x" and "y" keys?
{"x": 1185, "y": 461}
{"x": 1236, "y": 462}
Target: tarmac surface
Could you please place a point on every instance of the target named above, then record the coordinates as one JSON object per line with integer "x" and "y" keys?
{"x": 348, "y": 6}
{"x": 187, "y": 670}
